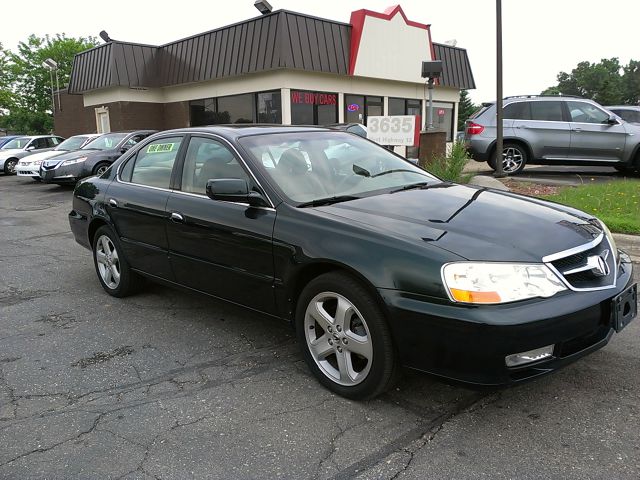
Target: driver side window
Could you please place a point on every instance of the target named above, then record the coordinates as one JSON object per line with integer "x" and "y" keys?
{"x": 208, "y": 159}
{"x": 583, "y": 112}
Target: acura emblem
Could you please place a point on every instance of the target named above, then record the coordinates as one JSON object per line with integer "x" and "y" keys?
{"x": 598, "y": 264}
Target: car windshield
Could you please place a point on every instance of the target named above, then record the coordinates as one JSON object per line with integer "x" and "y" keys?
{"x": 16, "y": 143}
{"x": 105, "y": 142}
{"x": 315, "y": 166}
{"x": 72, "y": 143}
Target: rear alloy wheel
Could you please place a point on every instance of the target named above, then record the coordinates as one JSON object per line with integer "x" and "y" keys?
{"x": 10, "y": 166}
{"x": 100, "y": 168}
{"x": 514, "y": 158}
{"x": 112, "y": 268}
{"x": 345, "y": 338}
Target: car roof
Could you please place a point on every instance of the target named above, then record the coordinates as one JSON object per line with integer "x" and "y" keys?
{"x": 241, "y": 130}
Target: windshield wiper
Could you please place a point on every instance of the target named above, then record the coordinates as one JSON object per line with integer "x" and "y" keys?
{"x": 394, "y": 171}
{"x": 411, "y": 186}
{"x": 328, "y": 201}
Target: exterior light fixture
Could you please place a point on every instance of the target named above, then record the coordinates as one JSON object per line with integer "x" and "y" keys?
{"x": 105, "y": 36}
{"x": 263, "y": 6}
{"x": 51, "y": 65}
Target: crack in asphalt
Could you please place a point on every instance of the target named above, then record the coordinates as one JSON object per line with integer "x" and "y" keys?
{"x": 55, "y": 445}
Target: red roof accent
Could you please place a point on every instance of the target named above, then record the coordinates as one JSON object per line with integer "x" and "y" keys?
{"x": 357, "y": 24}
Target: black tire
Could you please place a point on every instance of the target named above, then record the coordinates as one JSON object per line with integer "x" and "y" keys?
{"x": 100, "y": 168}
{"x": 128, "y": 282}
{"x": 627, "y": 169}
{"x": 10, "y": 166}
{"x": 365, "y": 329}
{"x": 515, "y": 158}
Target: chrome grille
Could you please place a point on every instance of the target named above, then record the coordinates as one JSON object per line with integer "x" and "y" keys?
{"x": 592, "y": 268}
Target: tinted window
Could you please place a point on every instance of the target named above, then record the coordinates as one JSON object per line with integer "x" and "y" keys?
{"x": 547, "y": 111}
{"x": 154, "y": 162}
{"x": 208, "y": 159}
{"x": 517, "y": 111}
{"x": 628, "y": 115}
{"x": 583, "y": 112}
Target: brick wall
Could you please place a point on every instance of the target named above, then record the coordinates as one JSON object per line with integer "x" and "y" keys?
{"x": 75, "y": 118}
{"x": 176, "y": 115}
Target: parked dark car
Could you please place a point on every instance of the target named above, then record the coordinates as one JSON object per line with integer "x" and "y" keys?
{"x": 376, "y": 262}
{"x": 92, "y": 159}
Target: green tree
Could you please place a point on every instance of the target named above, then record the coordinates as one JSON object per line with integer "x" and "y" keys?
{"x": 602, "y": 82}
{"x": 30, "y": 82}
{"x": 631, "y": 82}
{"x": 465, "y": 109}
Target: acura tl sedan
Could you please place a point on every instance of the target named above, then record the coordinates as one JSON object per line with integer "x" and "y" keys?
{"x": 92, "y": 159}
{"x": 377, "y": 263}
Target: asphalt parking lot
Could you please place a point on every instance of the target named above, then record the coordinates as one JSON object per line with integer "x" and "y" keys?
{"x": 166, "y": 384}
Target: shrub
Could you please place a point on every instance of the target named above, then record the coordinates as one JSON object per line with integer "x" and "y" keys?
{"x": 451, "y": 166}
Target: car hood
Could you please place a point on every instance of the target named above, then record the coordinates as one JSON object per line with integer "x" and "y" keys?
{"x": 472, "y": 222}
{"x": 72, "y": 156}
{"x": 41, "y": 156}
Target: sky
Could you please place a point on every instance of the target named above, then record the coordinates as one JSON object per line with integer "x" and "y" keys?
{"x": 540, "y": 37}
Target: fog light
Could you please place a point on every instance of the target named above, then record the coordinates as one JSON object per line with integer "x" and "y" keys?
{"x": 517, "y": 359}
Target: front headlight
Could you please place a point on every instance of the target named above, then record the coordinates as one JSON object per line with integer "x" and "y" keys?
{"x": 74, "y": 161}
{"x": 492, "y": 282}
{"x": 37, "y": 163}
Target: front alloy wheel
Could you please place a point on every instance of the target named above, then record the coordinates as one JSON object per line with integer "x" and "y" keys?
{"x": 344, "y": 336}
{"x": 338, "y": 338}
{"x": 10, "y": 166}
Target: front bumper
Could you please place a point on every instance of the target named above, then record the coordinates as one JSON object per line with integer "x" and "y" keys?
{"x": 63, "y": 174}
{"x": 27, "y": 170}
{"x": 469, "y": 343}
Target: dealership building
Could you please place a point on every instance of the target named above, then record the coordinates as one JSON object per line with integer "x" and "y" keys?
{"x": 282, "y": 67}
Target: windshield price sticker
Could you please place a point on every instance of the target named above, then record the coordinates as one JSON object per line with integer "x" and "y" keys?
{"x": 394, "y": 130}
{"x": 160, "y": 147}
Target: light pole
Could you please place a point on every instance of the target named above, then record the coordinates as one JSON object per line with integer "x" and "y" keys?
{"x": 499, "y": 173}
{"x": 52, "y": 66}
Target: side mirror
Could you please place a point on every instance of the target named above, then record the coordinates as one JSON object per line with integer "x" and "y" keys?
{"x": 233, "y": 190}
{"x": 612, "y": 120}
{"x": 125, "y": 148}
{"x": 30, "y": 148}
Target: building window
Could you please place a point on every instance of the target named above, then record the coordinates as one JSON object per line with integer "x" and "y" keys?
{"x": 406, "y": 106}
{"x": 103, "y": 125}
{"x": 358, "y": 107}
{"x": 269, "y": 106}
{"x": 264, "y": 107}
{"x": 443, "y": 118}
{"x": 313, "y": 108}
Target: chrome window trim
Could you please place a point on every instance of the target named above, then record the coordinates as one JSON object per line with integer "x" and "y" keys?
{"x": 201, "y": 195}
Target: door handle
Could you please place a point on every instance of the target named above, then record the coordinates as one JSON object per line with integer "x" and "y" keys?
{"x": 576, "y": 129}
{"x": 176, "y": 217}
{"x": 522, "y": 126}
{"x": 113, "y": 202}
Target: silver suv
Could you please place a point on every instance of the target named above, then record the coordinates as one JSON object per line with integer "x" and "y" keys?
{"x": 554, "y": 131}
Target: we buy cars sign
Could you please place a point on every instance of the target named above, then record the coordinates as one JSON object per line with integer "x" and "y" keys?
{"x": 394, "y": 130}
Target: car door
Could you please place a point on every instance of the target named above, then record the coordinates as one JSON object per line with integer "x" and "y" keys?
{"x": 543, "y": 126}
{"x": 592, "y": 136}
{"x": 136, "y": 203}
{"x": 221, "y": 248}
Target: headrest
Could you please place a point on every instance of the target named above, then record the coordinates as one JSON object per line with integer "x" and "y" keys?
{"x": 293, "y": 162}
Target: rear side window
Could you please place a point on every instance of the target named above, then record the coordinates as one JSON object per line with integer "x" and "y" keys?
{"x": 517, "y": 111}
{"x": 546, "y": 111}
{"x": 153, "y": 164}
{"x": 481, "y": 110}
